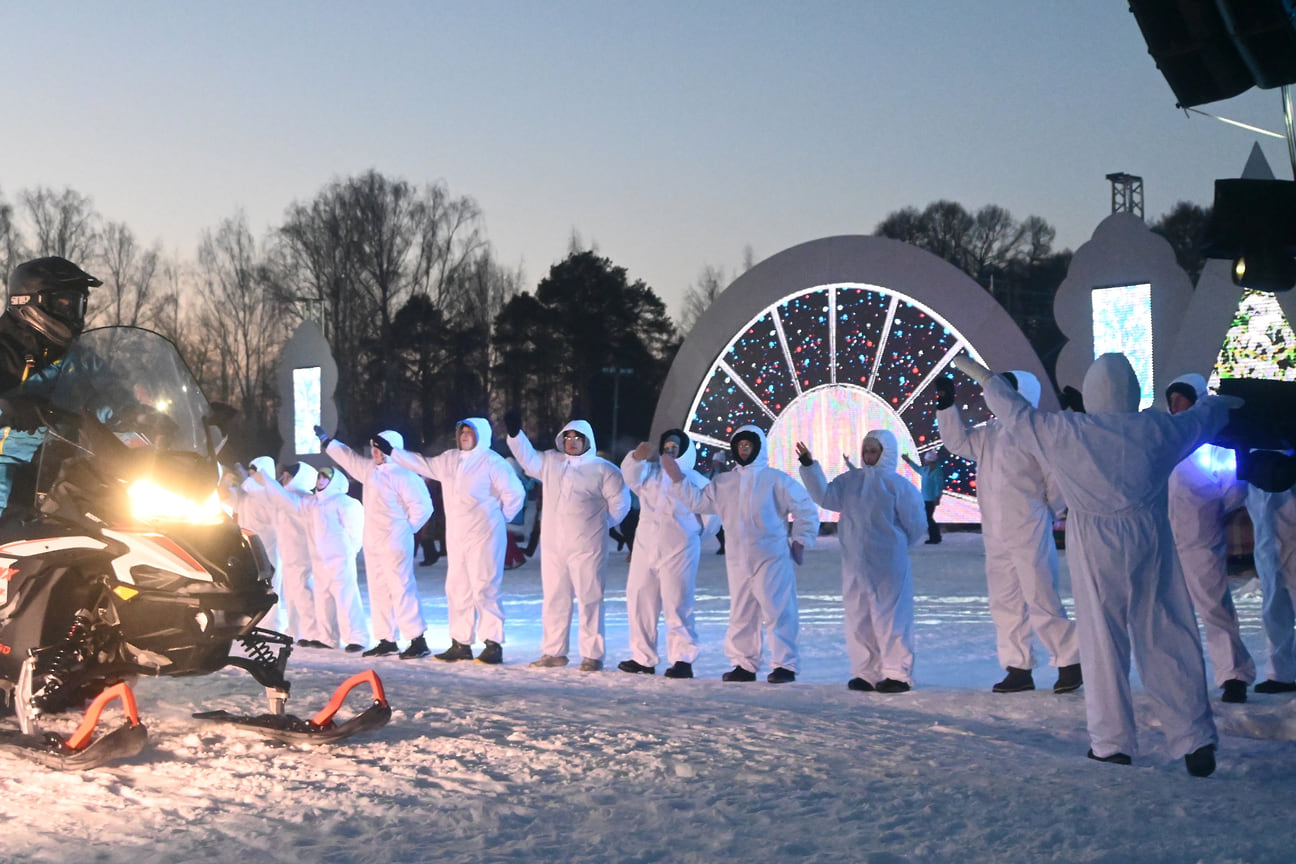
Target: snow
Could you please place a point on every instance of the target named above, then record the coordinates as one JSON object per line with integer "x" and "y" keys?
{"x": 511, "y": 764}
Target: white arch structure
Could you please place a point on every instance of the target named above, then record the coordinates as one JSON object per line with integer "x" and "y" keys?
{"x": 836, "y": 336}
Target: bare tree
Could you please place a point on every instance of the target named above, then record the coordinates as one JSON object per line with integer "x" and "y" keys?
{"x": 63, "y": 223}
{"x": 128, "y": 275}
{"x": 357, "y": 254}
{"x": 11, "y": 251}
{"x": 994, "y": 240}
{"x": 699, "y": 296}
{"x": 238, "y": 318}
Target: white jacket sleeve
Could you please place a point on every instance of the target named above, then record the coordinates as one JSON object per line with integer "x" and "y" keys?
{"x": 635, "y": 472}
{"x": 415, "y": 500}
{"x": 531, "y": 461}
{"x": 959, "y": 438}
{"x": 793, "y": 498}
{"x": 417, "y": 463}
{"x": 617, "y": 496}
{"x": 350, "y": 461}
{"x": 506, "y": 486}
{"x": 910, "y": 512}
{"x": 826, "y": 495}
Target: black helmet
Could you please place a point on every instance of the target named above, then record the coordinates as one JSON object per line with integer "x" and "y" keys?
{"x": 49, "y": 295}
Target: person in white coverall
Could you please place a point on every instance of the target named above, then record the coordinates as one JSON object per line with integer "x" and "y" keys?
{"x": 882, "y": 515}
{"x": 1204, "y": 489}
{"x": 396, "y": 504}
{"x": 663, "y": 569}
{"x": 254, "y": 511}
{"x": 335, "y": 528}
{"x": 584, "y": 496}
{"x": 296, "y": 483}
{"x": 1113, "y": 464}
{"x": 1018, "y": 501}
{"x": 1273, "y": 514}
{"x": 481, "y": 492}
{"x": 754, "y": 502}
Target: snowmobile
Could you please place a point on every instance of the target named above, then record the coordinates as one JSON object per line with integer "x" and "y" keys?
{"x": 117, "y": 560}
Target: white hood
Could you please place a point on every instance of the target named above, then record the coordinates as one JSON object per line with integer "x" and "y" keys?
{"x": 584, "y": 428}
{"x": 890, "y": 458}
{"x": 1028, "y": 386}
{"x": 1110, "y": 386}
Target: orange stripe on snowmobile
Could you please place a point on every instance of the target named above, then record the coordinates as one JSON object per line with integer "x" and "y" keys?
{"x": 81, "y": 737}
{"x": 339, "y": 695}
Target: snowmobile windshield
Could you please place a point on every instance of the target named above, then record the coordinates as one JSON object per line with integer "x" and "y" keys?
{"x": 135, "y": 383}
{"x": 126, "y": 413}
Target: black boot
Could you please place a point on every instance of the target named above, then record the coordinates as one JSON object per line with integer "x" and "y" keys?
{"x": 679, "y": 669}
{"x": 456, "y": 651}
{"x": 1115, "y": 758}
{"x": 636, "y": 668}
{"x": 383, "y": 648}
{"x": 1234, "y": 690}
{"x": 891, "y": 685}
{"x": 1069, "y": 679}
{"x": 417, "y": 648}
{"x": 738, "y": 673}
{"x": 1201, "y": 762}
{"x": 492, "y": 654}
{"x": 859, "y": 685}
{"x": 779, "y": 675}
{"x": 1017, "y": 681}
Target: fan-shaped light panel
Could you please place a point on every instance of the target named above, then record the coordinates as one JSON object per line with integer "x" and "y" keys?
{"x": 829, "y": 363}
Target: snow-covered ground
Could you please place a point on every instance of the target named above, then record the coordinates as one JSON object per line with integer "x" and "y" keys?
{"x": 511, "y": 764}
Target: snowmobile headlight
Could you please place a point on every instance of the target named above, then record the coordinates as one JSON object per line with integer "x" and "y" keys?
{"x": 151, "y": 503}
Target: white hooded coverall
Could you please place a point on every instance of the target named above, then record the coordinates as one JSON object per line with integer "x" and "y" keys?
{"x": 584, "y": 496}
{"x": 754, "y": 502}
{"x": 882, "y": 515}
{"x": 396, "y": 504}
{"x": 1018, "y": 500}
{"x": 481, "y": 492}
{"x": 295, "y": 597}
{"x": 663, "y": 568}
{"x": 1203, "y": 490}
{"x": 255, "y": 510}
{"x": 335, "y": 527}
{"x": 1274, "y": 516}
{"x": 1113, "y": 464}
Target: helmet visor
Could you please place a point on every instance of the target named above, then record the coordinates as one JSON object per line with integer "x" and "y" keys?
{"x": 66, "y": 304}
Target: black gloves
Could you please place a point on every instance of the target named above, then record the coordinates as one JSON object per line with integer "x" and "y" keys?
{"x": 944, "y": 392}
{"x": 383, "y": 445}
{"x": 513, "y": 422}
{"x": 323, "y": 436}
{"x": 21, "y": 415}
{"x": 1071, "y": 399}
{"x": 806, "y": 458}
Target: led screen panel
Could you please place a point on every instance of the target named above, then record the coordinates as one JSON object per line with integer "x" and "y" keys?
{"x": 1122, "y": 323}
{"x": 307, "y": 409}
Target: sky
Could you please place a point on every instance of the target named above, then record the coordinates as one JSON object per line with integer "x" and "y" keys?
{"x": 669, "y": 135}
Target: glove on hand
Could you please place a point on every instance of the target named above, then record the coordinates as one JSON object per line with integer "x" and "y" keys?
{"x": 383, "y": 445}
{"x": 21, "y": 415}
{"x": 944, "y": 392}
{"x": 1071, "y": 399}
{"x": 322, "y": 435}
{"x": 513, "y": 422}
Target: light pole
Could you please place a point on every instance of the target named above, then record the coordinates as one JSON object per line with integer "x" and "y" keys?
{"x": 616, "y": 372}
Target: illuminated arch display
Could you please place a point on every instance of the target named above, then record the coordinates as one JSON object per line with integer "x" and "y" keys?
{"x": 834, "y": 337}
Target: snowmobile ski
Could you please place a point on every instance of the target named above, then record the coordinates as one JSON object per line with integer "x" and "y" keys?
{"x": 78, "y": 752}
{"x": 320, "y": 729}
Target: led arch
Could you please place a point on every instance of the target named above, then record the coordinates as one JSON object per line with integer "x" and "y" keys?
{"x": 828, "y": 339}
